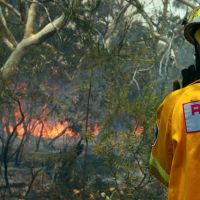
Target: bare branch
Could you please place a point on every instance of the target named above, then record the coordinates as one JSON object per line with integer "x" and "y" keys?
{"x": 168, "y": 54}
{"x": 48, "y": 16}
{"x": 33, "y": 177}
{"x": 8, "y": 32}
{"x": 114, "y": 24}
{"x": 8, "y": 44}
{"x": 41, "y": 134}
{"x": 10, "y": 7}
{"x": 10, "y": 67}
{"x": 145, "y": 69}
{"x": 49, "y": 29}
{"x": 138, "y": 5}
{"x": 29, "y": 29}
{"x": 58, "y": 136}
{"x": 7, "y": 145}
{"x": 135, "y": 81}
{"x": 164, "y": 14}
{"x": 165, "y": 56}
{"x": 165, "y": 7}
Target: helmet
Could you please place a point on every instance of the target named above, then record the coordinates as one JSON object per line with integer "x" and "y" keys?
{"x": 192, "y": 24}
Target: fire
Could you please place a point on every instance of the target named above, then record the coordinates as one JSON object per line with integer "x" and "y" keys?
{"x": 37, "y": 128}
{"x": 96, "y": 130}
{"x": 139, "y": 130}
{"x": 44, "y": 127}
{"x": 52, "y": 130}
{"x": 70, "y": 132}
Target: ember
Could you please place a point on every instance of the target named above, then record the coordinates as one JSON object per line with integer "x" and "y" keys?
{"x": 139, "y": 130}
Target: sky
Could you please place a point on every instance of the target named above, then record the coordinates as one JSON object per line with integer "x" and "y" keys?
{"x": 156, "y": 5}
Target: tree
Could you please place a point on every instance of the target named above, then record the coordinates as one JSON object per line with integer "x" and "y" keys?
{"x": 91, "y": 63}
{"x": 31, "y": 35}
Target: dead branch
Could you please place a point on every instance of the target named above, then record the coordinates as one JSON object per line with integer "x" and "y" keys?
{"x": 140, "y": 9}
{"x": 20, "y": 148}
{"x": 58, "y": 136}
{"x": 39, "y": 139}
{"x": 165, "y": 57}
{"x": 29, "y": 29}
{"x": 135, "y": 81}
{"x": 10, "y": 7}
{"x": 48, "y": 16}
{"x": 85, "y": 138}
{"x": 7, "y": 145}
{"x": 112, "y": 27}
{"x": 165, "y": 9}
{"x": 164, "y": 14}
{"x": 8, "y": 43}
{"x": 34, "y": 175}
{"x": 8, "y": 32}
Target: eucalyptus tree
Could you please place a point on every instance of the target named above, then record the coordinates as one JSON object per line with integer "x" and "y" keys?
{"x": 95, "y": 61}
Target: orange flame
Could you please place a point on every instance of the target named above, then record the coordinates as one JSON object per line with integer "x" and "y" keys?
{"x": 139, "y": 130}
{"x": 50, "y": 129}
{"x": 45, "y": 128}
{"x": 96, "y": 130}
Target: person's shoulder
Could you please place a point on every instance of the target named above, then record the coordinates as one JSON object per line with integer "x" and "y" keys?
{"x": 169, "y": 101}
{"x": 180, "y": 96}
{"x": 183, "y": 94}
{"x": 172, "y": 96}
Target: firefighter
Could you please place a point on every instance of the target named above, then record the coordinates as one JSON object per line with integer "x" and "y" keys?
{"x": 175, "y": 155}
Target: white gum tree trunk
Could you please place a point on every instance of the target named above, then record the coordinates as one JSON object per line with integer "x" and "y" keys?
{"x": 30, "y": 39}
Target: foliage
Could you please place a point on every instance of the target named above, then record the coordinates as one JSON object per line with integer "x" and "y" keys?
{"x": 108, "y": 66}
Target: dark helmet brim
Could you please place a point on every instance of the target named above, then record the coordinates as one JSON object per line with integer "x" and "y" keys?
{"x": 190, "y": 29}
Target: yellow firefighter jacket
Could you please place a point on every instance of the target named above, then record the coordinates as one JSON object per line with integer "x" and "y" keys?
{"x": 175, "y": 156}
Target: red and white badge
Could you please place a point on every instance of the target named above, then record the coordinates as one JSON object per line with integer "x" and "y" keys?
{"x": 192, "y": 116}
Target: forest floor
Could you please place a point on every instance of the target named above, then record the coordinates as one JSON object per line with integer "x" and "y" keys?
{"x": 28, "y": 183}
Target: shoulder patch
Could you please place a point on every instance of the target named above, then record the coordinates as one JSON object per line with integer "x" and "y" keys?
{"x": 192, "y": 116}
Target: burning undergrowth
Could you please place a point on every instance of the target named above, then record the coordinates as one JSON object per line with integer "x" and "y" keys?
{"x": 37, "y": 126}
{"x": 51, "y": 126}
{"x": 42, "y": 113}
